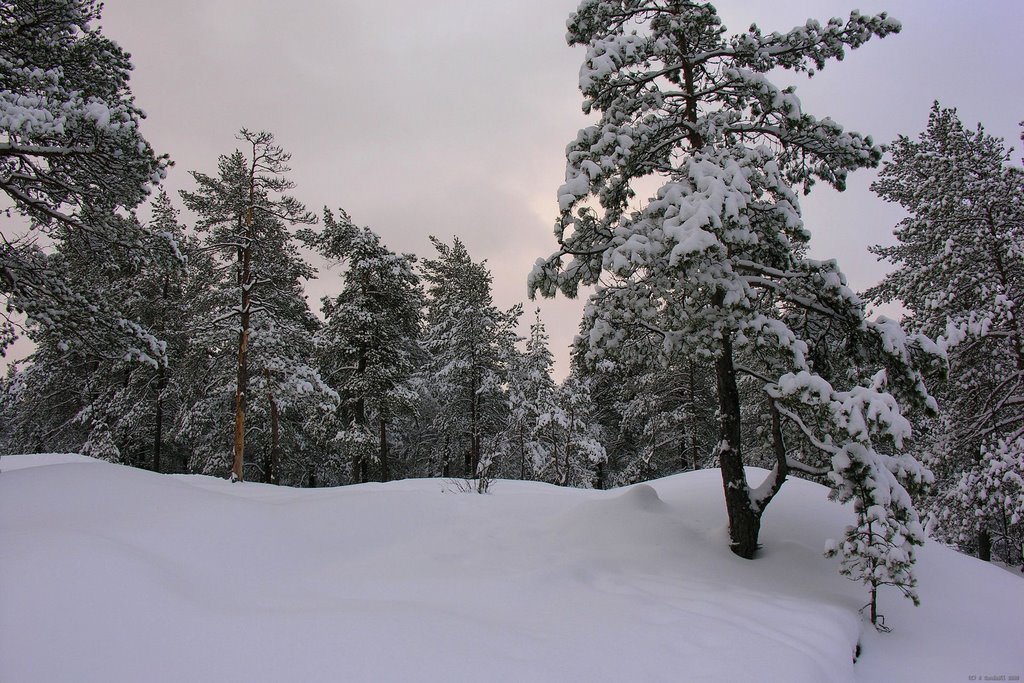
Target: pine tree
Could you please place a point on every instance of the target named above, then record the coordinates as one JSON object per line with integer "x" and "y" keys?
{"x": 244, "y": 214}
{"x": 107, "y": 406}
{"x": 959, "y": 261}
{"x": 656, "y": 411}
{"x": 577, "y": 452}
{"x": 466, "y": 339}
{"x": 367, "y": 347}
{"x": 71, "y": 159}
{"x": 714, "y": 267}
{"x": 525, "y": 446}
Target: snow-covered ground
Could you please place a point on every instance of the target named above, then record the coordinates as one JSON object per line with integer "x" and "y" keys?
{"x": 112, "y": 574}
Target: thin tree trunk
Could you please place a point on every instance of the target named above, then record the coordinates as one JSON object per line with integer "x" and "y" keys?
{"x": 161, "y": 385}
{"x": 522, "y": 454}
{"x": 158, "y": 426}
{"x": 693, "y": 416}
{"x": 568, "y": 450}
{"x": 274, "y": 465}
{"x": 385, "y": 468}
{"x": 683, "y": 463}
{"x": 360, "y": 467}
{"x": 444, "y": 459}
{"x": 474, "y": 417}
{"x": 984, "y": 538}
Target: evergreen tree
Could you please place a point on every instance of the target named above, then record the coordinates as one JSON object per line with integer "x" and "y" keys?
{"x": 656, "y": 411}
{"x": 714, "y": 267}
{"x": 959, "y": 261}
{"x": 367, "y": 347}
{"x": 467, "y": 340}
{"x": 106, "y": 406}
{"x": 244, "y": 215}
{"x": 525, "y": 446}
{"x": 71, "y": 159}
{"x": 577, "y": 451}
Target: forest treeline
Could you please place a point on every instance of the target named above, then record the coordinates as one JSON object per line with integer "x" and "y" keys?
{"x": 711, "y": 339}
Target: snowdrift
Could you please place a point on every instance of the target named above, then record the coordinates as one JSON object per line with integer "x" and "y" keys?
{"x": 114, "y": 574}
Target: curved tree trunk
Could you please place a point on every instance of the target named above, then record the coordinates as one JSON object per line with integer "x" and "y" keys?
{"x": 744, "y": 521}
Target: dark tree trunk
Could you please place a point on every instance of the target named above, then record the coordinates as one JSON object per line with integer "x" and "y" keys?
{"x": 385, "y": 467}
{"x": 744, "y": 522}
{"x": 683, "y": 463}
{"x": 472, "y": 457}
{"x": 158, "y": 420}
{"x": 568, "y": 450}
{"x": 984, "y": 544}
{"x": 693, "y": 417}
{"x": 522, "y": 454}
{"x": 360, "y": 466}
{"x": 274, "y": 462}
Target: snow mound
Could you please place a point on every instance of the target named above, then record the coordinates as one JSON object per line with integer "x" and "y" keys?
{"x": 17, "y": 462}
{"x": 119, "y": 575}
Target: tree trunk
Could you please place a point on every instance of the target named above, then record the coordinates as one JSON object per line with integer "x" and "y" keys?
{"x": 474, "y": 418}
{"x": 242, "y": 378}
{"x": 158, "y": 426}
{"x": 522, "y": 454}
{"x": 744, "y": 522}
{"x": 568, "y": 449}
{"x": 984, "y": 544}
{"x": 683, "y": 464}
{"x": 693, "y": 416}
{"x": 274, "y": 465}
{"x": 385, "y": 468}
{"x": 360, "y": 467}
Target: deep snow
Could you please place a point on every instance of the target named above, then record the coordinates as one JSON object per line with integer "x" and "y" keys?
{"x": 114, "y": 574}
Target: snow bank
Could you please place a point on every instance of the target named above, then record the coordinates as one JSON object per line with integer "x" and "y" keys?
{"x": 114, "y": 574}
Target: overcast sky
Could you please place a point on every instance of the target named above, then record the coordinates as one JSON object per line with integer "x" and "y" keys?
{"x": 451, "y": 117}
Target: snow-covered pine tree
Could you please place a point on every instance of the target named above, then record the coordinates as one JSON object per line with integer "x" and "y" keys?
{"x": 107, "y": 406}
{"x": 525, "y": 445}
{"x": 714, "y": 266}
{"x": 657, "y": 411}
{"x": 71, "y": 157}
{"x": 959, "y": 272}
{"x": 368, "y": 344}
{"x": 577, "y": 452}
{"x": 466, "y": 339}
{"x": 244, "y": 214}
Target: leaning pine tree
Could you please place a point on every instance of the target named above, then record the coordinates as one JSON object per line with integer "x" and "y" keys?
{"x": 714, "y": 267}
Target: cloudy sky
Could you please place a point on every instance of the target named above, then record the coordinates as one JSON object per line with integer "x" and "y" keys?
{"x": 451, "y": 117}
